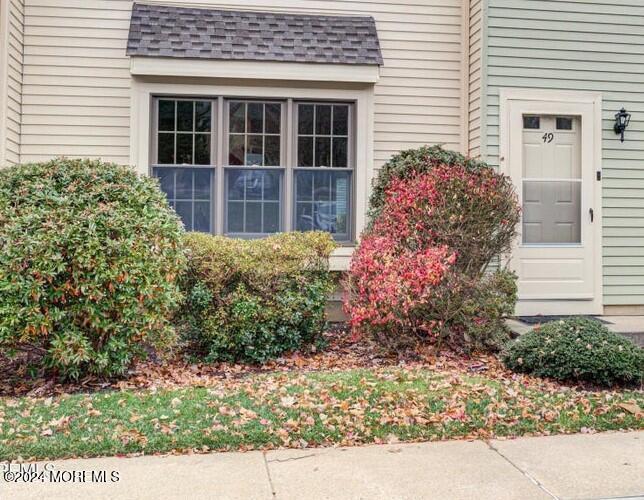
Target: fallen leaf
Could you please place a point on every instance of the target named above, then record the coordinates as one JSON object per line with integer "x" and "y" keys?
{"x": 632, "y": 408}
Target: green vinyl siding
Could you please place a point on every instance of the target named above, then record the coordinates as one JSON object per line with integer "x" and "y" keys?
{"x": 585, "y": 45}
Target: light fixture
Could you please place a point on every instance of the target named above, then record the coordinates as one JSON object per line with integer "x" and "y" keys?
{"x": 622, "y": 119}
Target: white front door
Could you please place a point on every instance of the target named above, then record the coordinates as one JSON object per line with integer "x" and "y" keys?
{"x": 550, "y": 162}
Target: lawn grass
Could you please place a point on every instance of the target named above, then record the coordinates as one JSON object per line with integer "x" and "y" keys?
{"x": 306, "y": 409}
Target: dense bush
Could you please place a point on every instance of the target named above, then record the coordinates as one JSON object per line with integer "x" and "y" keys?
{"x": 422, "y": 268}
{"x": 89, "y": 258}
{"x": 577, "y": 349}
{"x": 409, "y": 164}
{"x": 252, "y": 300}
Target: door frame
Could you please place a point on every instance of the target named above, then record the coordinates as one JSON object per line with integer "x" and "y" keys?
{"x": 588, "y": 105}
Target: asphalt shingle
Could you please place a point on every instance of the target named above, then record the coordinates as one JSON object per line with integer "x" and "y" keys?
{"x": 167, "y": 31}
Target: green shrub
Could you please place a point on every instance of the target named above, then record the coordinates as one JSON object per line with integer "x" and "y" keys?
{"x": 577, "y": 349}
{"x": 90, "y": 253}
{"x": 252, "y": 300}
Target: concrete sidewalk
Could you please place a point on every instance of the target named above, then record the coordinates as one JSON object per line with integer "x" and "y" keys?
{"x": 607, "y": 465}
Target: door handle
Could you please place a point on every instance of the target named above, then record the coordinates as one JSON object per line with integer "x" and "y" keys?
{"x": 592, "y": 214}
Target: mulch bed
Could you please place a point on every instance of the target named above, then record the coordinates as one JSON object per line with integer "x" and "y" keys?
{"x": 341, "y": 353}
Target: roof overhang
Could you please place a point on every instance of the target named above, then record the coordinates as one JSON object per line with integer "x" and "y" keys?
{"x": 256, "y": 70}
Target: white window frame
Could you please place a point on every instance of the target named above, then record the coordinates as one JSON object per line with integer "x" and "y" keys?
{"x": 362, "y": 96}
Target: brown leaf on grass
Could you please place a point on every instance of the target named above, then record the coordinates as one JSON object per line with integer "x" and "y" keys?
{"x": 133, "y": 435}
{"x": 632, "y": 408}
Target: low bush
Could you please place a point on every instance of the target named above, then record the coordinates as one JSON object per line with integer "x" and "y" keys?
{"x": 90, "y": 253}
{"x": 252, "y": 300}
{"x": 577, "y": 349}
{"x": 422, "y": 270}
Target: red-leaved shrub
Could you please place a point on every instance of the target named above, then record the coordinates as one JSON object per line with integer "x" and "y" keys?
{"x": 421, "y": 270}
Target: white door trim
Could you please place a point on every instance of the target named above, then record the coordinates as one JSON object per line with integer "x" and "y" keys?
{"x": 562, "y": 102}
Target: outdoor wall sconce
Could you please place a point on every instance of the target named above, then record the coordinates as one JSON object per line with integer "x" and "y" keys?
{"x": 622, "y": 119}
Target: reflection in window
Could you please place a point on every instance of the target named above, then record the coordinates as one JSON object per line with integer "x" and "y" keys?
{"x": 564, "y": 123}
{"x": 531, "y": 122}
{"x": 322, "y": 201}
{"x": 189, "y": 192}
{"x": 183, "y": 132}
{"x": 323, "y": 135}
{"x": 254, "y": 133}
{"x": 253, "y": 201}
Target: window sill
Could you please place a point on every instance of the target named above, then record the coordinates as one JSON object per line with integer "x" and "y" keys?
{"x": 341, "y": 258}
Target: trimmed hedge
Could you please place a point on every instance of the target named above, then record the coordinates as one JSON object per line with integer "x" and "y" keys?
{"x": 252, "y": 300}
{"x": 577, "y": 349}
{"x": 90, "y": 253}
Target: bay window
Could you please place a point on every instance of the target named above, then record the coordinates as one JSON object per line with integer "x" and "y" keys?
{"x": 249, "y": 168}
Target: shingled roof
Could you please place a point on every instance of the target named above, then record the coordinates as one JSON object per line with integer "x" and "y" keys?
{"x": 166, "y": 31}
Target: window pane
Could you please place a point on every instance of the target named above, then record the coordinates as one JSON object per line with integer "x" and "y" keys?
{"x": 253, "y": 217}
{"x": 202, "y": 149}
{"x": 564, "y": 123}
{"x": 254, "y": 155}
{"x": 203, "y": 116}
{"x": 304, "y": 191}
{"x": 236, "y": 184}
{"x": 340, "y": 152}
{"x": 271, "y": 217}
{"x": 551, "y": 212}
{"x": 235, "y": 216}
{"x": 272, "y": 151}
{"x": 323, "y": 119}
{"x": 340, "y": 120}
{"x": 236, "y": 150}
{"x": 272, "y": 186}
{"x": 165, "y": 150}
{"x": 192, "y": 197}
{"x": 253, "y": 201}
{"x": 531, "y": 122}
{"x": 321, "y": 186}
{"x": 255, "y": 117}
{"x": 273, "y": 118}
{"x": 166, "y": 115}
{"x": 305, "y": 119}
{"x": 166, "y": 180}
{"x": 184, "y": 148}
{"x": 304, "y": 216}
{"x": 305, "y": 151}
{"x": 322, "y": 151}
{"x": 184, "y": 210}
{"x": 328, "y": 209}
{"x": 185, "y": 116}
{"x": 184, "y": 183}
{"x": 254, "y": 180}
{"x": 237, "y": 117}
{"x": 202, "y": 217}
{"x": 202, "y": 183}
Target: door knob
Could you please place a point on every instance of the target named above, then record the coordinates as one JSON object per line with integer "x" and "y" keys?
{"x": 592, "y": 214}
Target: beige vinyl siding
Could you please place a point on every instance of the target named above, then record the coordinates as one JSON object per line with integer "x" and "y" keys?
{"x": 77, "y": 82}
{"x": 591, "y": 45}
{"x": 475, "y": 56}
{"x": 76, "y": 88}
{"x": 14, "y": 69}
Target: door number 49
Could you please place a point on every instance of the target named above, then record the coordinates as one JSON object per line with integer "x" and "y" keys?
{"x": 548, "y": 137}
